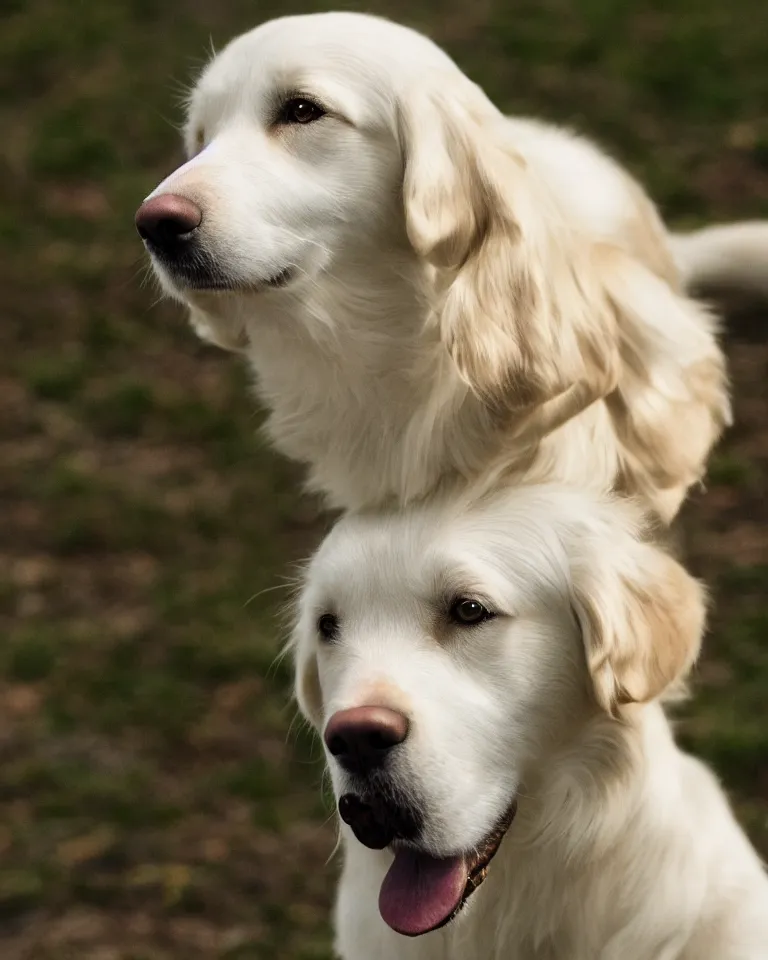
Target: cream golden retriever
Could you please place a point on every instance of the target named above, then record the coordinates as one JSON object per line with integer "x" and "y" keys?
{"x": 488, "y": 680}
{"x": 430, "y": 291}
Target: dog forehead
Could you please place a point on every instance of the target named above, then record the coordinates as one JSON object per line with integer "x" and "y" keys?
{"x": 355, "y": 48}
{"x": 365, "y": 554}
{"x": 518, "y": 540}
{"x": 417, "y": 557}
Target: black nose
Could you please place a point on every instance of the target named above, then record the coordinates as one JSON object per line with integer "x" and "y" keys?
{"x": 167, "y": 221}
{"x": 361, "y": 738}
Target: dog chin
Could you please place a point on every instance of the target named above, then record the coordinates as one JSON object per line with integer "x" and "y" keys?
{"x": 217, "y": 314}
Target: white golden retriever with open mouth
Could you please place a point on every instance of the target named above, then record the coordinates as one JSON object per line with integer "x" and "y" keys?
{"x": 429, "y": 291}
{"x": 488, "y": 681}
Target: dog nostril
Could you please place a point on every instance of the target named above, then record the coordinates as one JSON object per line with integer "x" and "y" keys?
{"x": 337, "y": 745}
{"x": 163, "y": 231}
{"x": 382, "y": 739}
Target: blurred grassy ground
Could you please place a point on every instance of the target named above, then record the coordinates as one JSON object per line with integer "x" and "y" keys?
{"x": 153, "y": 802}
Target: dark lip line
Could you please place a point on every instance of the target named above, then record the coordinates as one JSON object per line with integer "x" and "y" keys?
{"x": 500, "y": 828}
{"x": 279, "y": 283}
{"x": 276, "y": 282}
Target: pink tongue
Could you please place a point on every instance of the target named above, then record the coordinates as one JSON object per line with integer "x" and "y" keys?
{"x": 420, "y": 892}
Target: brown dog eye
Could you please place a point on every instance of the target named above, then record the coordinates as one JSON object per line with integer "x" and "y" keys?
{"x": 468, "y": 613}
{"x": 328, "y": 627}
{"x": 299, "y": 110}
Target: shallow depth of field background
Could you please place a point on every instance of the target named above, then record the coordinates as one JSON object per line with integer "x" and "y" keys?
{"x": 155, "y": 799}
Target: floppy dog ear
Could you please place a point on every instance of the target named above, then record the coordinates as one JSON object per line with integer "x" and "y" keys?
{"x": 306, "y": 677}
{"x": 672, "y": 399}
{"x": 307, "y": 690}
{"x": 642, "y": 617}
{"x": 516, "y": 299}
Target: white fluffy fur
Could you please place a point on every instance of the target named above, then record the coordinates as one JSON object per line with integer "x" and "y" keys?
{"x": 624, "y": 847}
{"x": 474, "y": 297}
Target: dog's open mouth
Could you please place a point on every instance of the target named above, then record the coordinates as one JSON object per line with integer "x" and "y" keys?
{"x": 421, "y": 892}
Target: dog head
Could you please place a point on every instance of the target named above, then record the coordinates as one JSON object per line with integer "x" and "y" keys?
{"x": 294, "y": 168}
{"x": 326, "y": 149}
{"x": 448, "y": 654}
